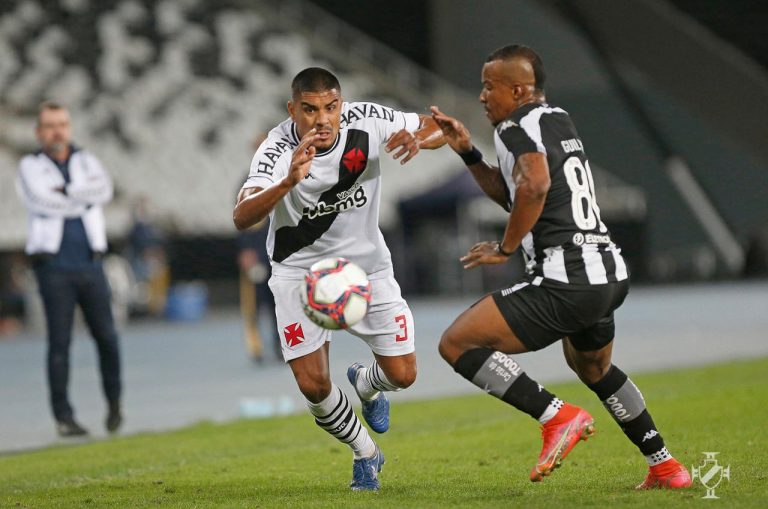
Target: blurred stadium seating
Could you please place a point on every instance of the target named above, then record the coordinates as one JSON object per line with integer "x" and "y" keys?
{"x": 169, "y": 94}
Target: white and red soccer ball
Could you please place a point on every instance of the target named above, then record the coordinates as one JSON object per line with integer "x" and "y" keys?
{"x": 336, "y": 293}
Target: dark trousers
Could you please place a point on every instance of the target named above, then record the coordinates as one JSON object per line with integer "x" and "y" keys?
{"x": 61, "y": 290}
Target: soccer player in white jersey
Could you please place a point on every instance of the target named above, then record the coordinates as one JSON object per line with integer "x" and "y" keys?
{"x": 577, "y": 276}
{"x": 317, "y": 176}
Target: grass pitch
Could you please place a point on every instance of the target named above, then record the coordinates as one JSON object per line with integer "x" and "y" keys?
{"x": 460, "y": 452}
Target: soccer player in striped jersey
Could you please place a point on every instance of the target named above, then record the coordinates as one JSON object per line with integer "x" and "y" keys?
{"x": 576, "y": 274}
{"x": 318, "y": 178}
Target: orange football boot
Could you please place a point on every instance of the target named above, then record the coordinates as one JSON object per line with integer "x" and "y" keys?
{"x": 671, "y": 474}
{"x": 561, "y": 434}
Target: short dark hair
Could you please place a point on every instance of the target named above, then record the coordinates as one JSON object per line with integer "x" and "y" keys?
{"x": 314, "y": 79}
{"x": 46, "y": 106}
{"x": 518, "y": 50}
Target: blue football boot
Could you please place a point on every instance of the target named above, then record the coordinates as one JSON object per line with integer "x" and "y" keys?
{"x": 365, "y": 472}
{"x": 375, "y": 411}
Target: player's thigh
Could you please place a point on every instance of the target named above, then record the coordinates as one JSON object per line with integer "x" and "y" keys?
{"x": 312, "y": 374}
{"x": 480, "y": 326}
{"x": 387, "y": 327}
{"x": 299, "y": 336}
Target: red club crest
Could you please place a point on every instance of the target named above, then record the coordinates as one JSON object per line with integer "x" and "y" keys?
{"x": 354, "y": 160}
{"x": 293, "y": 334}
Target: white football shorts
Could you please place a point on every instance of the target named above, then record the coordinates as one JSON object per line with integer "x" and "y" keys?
{"x": 387, "y": 328}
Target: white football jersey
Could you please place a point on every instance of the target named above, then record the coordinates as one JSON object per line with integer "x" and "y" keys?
{"x": 334, "y": 211}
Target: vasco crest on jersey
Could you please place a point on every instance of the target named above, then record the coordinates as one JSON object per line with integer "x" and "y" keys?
{"x": 354, "y": 160}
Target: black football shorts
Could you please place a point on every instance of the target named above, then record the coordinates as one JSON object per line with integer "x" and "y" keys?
{"x": 542, "y": 311}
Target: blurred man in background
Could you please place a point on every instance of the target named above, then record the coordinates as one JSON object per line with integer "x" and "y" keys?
{"x": 576, "y": 274}
{"x": 145, "y": 250}
{"x": 64, "y": 188}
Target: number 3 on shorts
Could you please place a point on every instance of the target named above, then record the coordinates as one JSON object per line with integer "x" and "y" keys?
{"x": 403, "y": 335}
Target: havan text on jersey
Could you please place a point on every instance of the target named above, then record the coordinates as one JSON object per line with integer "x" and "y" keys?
{"x": 266, "y": 164}
{"x": 366, "y": 110}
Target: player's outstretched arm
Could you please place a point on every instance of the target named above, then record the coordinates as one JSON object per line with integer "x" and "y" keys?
{"x": 427, "y": 136}
{"x": 254, "y": 204}
{"x": 532, "y": 181}
{"x": 487, "y": 176}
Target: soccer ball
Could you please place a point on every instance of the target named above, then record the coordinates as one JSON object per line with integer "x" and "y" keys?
{"x": 336, "y": 293}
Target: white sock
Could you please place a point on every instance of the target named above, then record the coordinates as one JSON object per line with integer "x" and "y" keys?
{"x": 335, "y": 415}
{"x": 658, "y": 457}
{"x": 551, "y": 410}
{"x": 371, "y": 380}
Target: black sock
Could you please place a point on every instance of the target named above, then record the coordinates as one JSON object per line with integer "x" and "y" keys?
{"x": 499, "y": 375}
{"x": 625, "y": 403}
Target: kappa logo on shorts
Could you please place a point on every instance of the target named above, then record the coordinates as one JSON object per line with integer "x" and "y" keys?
{"x": 294, "y": 335}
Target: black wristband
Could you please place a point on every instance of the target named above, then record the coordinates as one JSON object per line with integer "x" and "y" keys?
{"x": 501, "y": 251}
{"x": 474, "y": 156}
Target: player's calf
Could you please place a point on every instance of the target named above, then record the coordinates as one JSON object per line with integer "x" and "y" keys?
{"x": 626, "y": 404}
{"x": 501, "y": 376}
{"x": 335, "y": 415}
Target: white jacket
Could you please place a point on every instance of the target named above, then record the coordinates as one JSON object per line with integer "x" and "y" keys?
{"x": 89, "y": 188}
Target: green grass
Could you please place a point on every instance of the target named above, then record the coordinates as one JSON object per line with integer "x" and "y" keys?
{"x": 459, "y": 452}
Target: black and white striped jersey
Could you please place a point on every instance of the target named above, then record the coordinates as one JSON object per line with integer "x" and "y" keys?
{"x": 569, "y": 243}
{"x": 334, "y": 211}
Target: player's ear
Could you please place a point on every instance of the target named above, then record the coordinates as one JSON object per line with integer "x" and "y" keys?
{"x": 290, "y": 110}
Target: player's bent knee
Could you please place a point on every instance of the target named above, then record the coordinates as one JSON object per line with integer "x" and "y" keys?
{"x": 591, "y": 373}
{"x": 314, "y": 388}
{"x": 404, "y": 378}
{"x": 402, "y": 373}
{"x": 445, "y": 351}
{"x": 591, "y": 369}
{"x": 449, "y": 350}
{"x": 450, "y": 347}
